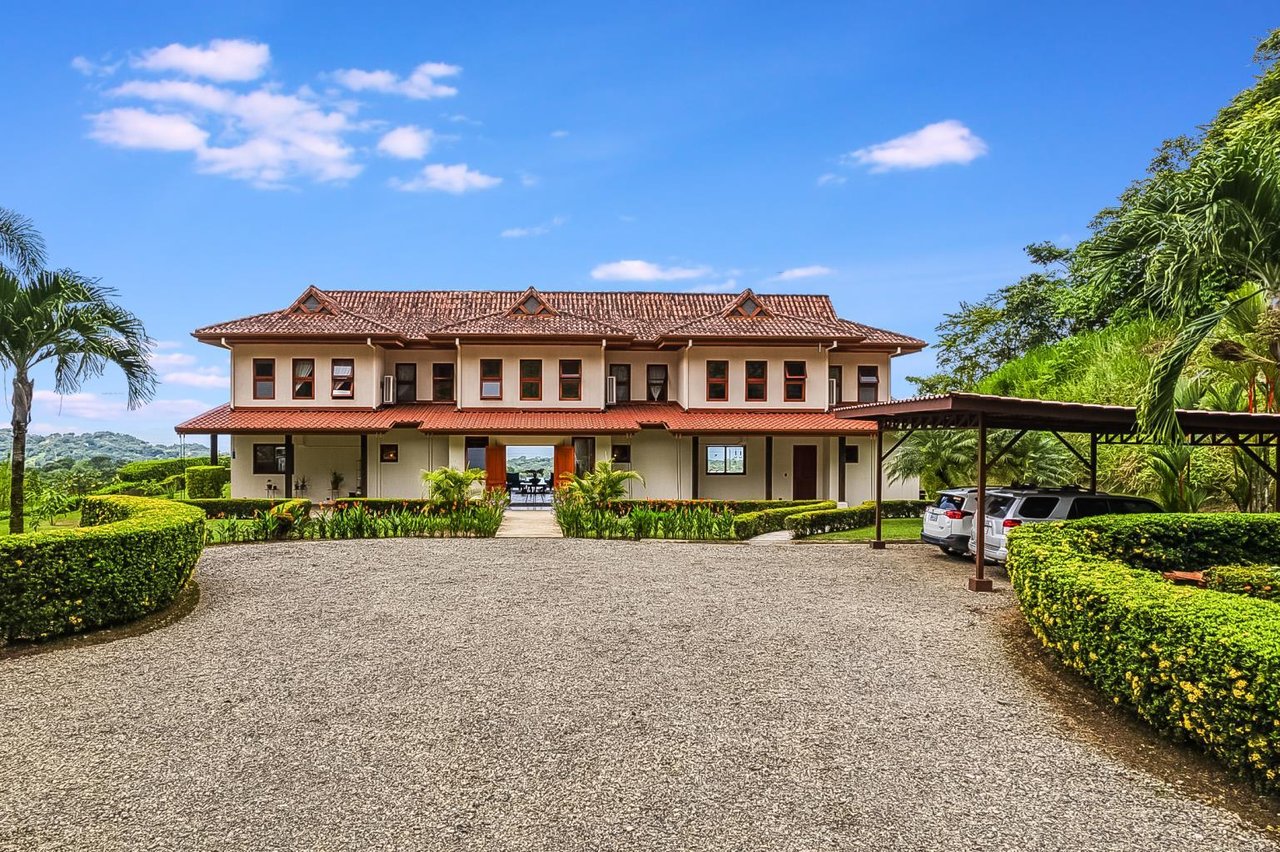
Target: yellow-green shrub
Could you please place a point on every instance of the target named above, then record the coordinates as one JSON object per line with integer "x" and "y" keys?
{"x": 130, "y": 556}
{"x": 1197, "y": 664}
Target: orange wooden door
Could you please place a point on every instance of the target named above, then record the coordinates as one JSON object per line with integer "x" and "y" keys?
{"x": 563, "y": 465}
{"x": 495, "y": 467}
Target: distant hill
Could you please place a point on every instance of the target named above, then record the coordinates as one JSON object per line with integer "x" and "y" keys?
{"x": 43, "y": 449}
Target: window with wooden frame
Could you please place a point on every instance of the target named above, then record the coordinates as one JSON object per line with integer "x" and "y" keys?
{"x": 757, "y": 381}
{"x": 389, "y": 453}
{"x": 656, "y": 378}
{"x": 571, "y": 378}
{"x": 726, "y": 460}
{"x": 531, "y": 378}
{"x": 835, "y": 380}
{"x": 621, "y": 381}
{"x": 476, "y": 447}
{"x": 717, "y": 381}
{"x": 406, "y": 382}
{"x": 491, "y": 378}
{"x": 304, "y": 378}
{"x": 750, "y": 308}
{"x": 442, "y": 383}
{"x": 264, "y": 378}
{"x": 344, "y": 378}
{"x": 868, "y": 383}
{"x": 269, "y": 459}
{"x": 794, "y": 378}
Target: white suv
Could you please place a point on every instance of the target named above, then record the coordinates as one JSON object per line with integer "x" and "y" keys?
{"x": 1012, "y": 507}
{"x": 948, "y": 523}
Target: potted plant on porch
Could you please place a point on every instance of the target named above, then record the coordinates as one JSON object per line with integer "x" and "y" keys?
{"x": 335, "y": 483}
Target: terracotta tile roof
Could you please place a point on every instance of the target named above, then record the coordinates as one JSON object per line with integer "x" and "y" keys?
{"x": 640, "y": 316}
{"x": 441, "y": 418}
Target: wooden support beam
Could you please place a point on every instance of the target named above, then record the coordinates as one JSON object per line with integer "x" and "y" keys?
{"x": 1006, "y": 448}
{"x": 1093, "y": 463}
{"x": 878, "y": 542}
{"x": 979, "y": 582}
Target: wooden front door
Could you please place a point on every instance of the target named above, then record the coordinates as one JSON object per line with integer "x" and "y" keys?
{"x": 495, "y": 467}
{"x": 804, "y": 472}
{"x": 562, "y": 465}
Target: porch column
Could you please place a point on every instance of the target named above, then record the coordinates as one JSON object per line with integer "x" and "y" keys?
{"x": 362, "y": 485}
{"x": 878, "y": 543}
{"x": 842, "y": 444}
{"x": 768, "y": 467}
{"x": 213, "y": 448}
{"x": 979, "y": 582}
{"x": 288, "y": 466}
{"x": 693, "y": 489}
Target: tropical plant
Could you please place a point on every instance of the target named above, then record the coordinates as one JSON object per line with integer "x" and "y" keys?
{"x": 21, "y": 245}
{"x": 448, "y": 486}
{"x": 1037, "y": 458}
{"x": 73, "y": 322}
{"x": 939, "y": 458}
{"x": 602, "y": 486}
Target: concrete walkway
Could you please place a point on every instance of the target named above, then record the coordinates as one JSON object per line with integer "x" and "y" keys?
{"x": 529, "y": 523}
{"x": 775, "y": 537}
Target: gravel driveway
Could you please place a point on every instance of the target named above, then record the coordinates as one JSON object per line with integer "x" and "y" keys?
{"x": 543, "y": 694}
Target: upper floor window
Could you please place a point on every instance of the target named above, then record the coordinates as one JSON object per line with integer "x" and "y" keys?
{"x": 304, "y": 378}
{"x": 757, "y": 381}
{"x": 344, "y": 378}
{"x": 621, "y": 374}
{"x": 794, "y": 379}
{"x": 406, "y": 382}
{"x": 835, "y": 379}
{"x": 868, "y": 383}
{"x": 442, "y": 383}
{"x": 531, "y": 378}
{"x": 491, "y": 378}
{"x": 264, "y": 378}
{"x": 571, "y": 378}
{"x": 657, "y": 381}
{"x": 717, "y": 381}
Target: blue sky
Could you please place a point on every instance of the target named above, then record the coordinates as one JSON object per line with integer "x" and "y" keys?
{"x": 212, "y": 162}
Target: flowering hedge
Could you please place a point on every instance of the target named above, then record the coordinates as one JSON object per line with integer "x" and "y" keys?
{"x": 1197, "y": 664}
{"x": 751, "y": 524}
{"x": 853, "y": 518}
{"x": 1256, "y": 581}
{"x": 130, "y": 556}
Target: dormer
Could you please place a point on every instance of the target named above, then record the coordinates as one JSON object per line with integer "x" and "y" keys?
{"x": 747, "y": 306}
{"x": 312, "y": 301}
{"x": 531, "y": 304}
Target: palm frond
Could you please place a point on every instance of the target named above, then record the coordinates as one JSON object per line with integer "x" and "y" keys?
{"x": 21, "y": 245}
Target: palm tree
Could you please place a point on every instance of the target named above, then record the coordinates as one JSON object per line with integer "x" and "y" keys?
{"x": 603, "y": 485}
{"x": 73, "y": 322}
{"x": 451, "y": 487}
{"x": 1206, "y": 230}
{"x": 939, "y": 458}
{"x": 21, "y": 246}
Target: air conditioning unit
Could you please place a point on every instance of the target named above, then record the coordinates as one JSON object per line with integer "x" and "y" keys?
{"x": 610, "y": 390}
{"x": 833, "y": 392}
{"x": 388, "y": 390}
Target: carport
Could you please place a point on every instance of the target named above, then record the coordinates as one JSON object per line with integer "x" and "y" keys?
{"x": 1254, "y": 434}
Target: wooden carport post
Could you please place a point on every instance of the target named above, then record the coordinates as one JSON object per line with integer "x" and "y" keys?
{"x": 979, "y": 582}
{"x": 878, "y": 542}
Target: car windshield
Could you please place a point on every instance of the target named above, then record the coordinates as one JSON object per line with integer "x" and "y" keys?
{"x": 949, "y": 502}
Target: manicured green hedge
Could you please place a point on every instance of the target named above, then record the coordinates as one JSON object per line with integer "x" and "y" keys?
{"x": 738, "y": 507}
{"x": 853, "y": 518}
{"x": 1198, "y": 664}
{"x": 130, "y": 557}
{"x": 1256, "y": 581}
{"x": 204, "y": 482}
{"x": 154, "y": 470}
{"x": 751, "y": 524}
{"x": 238, "y": 507}
{"x": 144, "y": 488}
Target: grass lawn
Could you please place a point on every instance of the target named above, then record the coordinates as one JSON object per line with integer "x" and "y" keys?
{"x": 71, "y": 519}
{"x": 893, "y": 528}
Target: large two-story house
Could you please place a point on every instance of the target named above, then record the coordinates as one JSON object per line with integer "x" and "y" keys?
{"x": 706, "y": 395}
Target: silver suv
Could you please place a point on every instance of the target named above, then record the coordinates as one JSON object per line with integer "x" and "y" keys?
{"x": 948, "y": 522}
{"x": 1012, "y": 507}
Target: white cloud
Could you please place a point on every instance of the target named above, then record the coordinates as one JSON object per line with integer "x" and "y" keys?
{"x": 803, "y": 272}
{"x": 559, "y": 134}
{"x": 201, "y": 377}
{"x": 137, "y": 128}
{"x": 267, "y": 137}
{"x": 535, "y": 230}
{"x": 171, "y": 359}
{"x": 92, "y": 406}
{"x": 643, "y": 270}
{"x": 932, "y": 145}
{"x": 89, "y": 68}
{"x": 455, "y": 179}
{"x": 224, "y": 60}
{"x": 406, "y": 143}
{"x": 419, "y": 85}
{"x": 831, "y": 179}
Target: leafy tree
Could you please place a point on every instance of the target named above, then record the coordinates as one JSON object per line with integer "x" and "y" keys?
{"x": 72, "y": 322}
{"x": 21, "y": 246}
{"x": 939, "y": 458}
{"x": 602, "y": 486}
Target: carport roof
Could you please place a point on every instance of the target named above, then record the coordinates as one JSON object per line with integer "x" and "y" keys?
{"x": 965, "y": 410}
